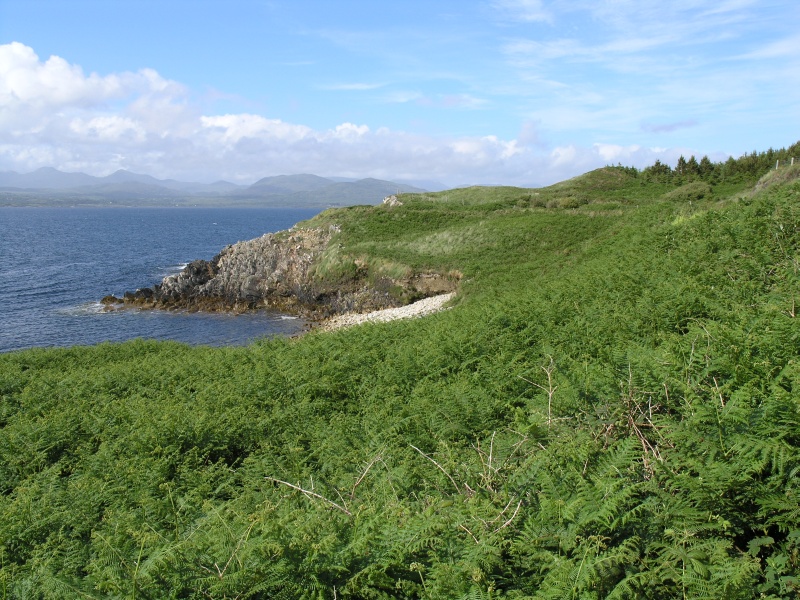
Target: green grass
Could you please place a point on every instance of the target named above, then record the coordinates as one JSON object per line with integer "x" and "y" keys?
{"x": 610, "y": 410}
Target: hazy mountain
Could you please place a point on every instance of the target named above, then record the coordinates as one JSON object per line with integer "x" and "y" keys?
{"x": 310, "y": 190}
{"x": 45, "y": 178}
{"x": 287, "y": 184}
{"x": 48, "y": 186}
{"x": 123, "y": 176}
{"x": 48, "y": 178}
{"x": 428, "y": 185}
{"x": 221, "y": 187}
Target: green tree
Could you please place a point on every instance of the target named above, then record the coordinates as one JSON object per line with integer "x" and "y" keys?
{"x": 681, "y": 167}
{"x": 692, "y": 168}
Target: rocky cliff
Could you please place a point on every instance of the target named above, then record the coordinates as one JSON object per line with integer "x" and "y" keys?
{"x": 277, "y": 271}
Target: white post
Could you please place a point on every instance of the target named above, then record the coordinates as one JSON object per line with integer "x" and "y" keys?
{"x": 793, "y": 161}
{"x": 777, "y": 164}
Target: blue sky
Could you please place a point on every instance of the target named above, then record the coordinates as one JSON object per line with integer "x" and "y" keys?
{"x": 522, "y": 92}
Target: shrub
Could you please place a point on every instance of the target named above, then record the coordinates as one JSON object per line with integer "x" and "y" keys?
{"x": 691, "y": 192}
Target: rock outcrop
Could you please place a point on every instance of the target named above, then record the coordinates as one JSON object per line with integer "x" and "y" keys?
{"x": 391, "y": 201}
{"x": 277, "y": 271}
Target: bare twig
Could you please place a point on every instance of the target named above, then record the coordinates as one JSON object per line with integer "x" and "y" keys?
{"x": 491, "y": 450}
{"x": 441, "y": 468}
{"x": 638, "y": 418}
{"x": 507, "y": 523}
{"x": 364, "y": 474}
{"x": 502, "y": 512}
{"x": 719, "y": 416}
{"x": 236, "y": 550}
{"x": 719, "y": 393}
{"x": 310, "y": 493}
{"x": 338, "y": 493}
{"x": 486, "y": 462}
{"x": 550, "y": 389}
{"x": 389, "y": 478}
{"x": 470, "y": 533}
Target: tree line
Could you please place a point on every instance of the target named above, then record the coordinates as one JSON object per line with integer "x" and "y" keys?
{"x": 747, "y": 167}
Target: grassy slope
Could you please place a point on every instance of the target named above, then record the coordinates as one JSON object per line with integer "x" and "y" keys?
{"x": 610, "y": 410}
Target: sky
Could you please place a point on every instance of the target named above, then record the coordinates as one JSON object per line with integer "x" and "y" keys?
{"x": 462, "y": 92}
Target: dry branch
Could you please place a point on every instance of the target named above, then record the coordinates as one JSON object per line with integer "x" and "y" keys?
{"x": 314, "y": 494}
{"x": 453, "y": 481}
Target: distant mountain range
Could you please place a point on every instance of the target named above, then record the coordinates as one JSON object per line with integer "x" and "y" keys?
{"x": 51, "y": 187}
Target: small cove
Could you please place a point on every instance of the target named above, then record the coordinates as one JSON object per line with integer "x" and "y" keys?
{"x": 57, "y": 263}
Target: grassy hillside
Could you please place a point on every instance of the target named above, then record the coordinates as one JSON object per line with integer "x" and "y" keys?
{"x": 610, "y": 410}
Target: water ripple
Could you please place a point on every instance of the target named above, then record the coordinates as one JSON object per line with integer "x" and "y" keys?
{"x": 58, "y": 262}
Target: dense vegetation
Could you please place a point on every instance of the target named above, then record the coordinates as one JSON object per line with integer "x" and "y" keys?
{"x": 610, "y": 411}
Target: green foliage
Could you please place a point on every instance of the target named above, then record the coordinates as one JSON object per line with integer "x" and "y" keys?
{"x": 690, "y": 192}
{"x": 609, "y": 412}
{"x": 747, "y": 169}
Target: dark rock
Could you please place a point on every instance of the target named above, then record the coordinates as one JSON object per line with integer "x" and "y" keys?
{"x": 277, "y": 271}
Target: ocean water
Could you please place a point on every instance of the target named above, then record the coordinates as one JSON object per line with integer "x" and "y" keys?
{"x": 57, "y": 263}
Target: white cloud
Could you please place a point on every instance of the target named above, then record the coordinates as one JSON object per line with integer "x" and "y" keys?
{"x": 524, "y": 10}
{"x": 640, "y": 36}
{"x": 54, "y": 103}
{"x": 563, "y": 155}
{"x": 231, "y": 129}
{"x": 448, "y": 101}
{"x": 668, "y": 127}
{"x": 402, "y": 96}
{"x": 463, "y": 101}
{"x": 111, "y": 128}
{"x": 611, "y": 152}
{"x": 788, "y": 48}
{"x": 53, "y": 114}
{"x": 633, "y": 71}
{"x": 25, "y": 79}
{"x": 350, "y": 132}
{"x": 539, "y": 52}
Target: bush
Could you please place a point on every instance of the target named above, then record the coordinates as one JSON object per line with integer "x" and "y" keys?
{"x": 691, "y": 192}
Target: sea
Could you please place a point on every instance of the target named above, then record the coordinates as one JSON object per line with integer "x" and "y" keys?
{"x": 57, "y": 263}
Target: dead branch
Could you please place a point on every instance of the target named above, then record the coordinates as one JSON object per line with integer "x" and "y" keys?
{"x": 470, "y": 533}
{"x": 441, "y": 468}
{"x": 550, "y": 389}
{"x": 507, "y": 523}
{"x": 310, "y": 493}
{"x": 364, "y": 474}
{"x": 502, "y": 512}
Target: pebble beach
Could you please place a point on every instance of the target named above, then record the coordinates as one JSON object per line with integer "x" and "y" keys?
{"x": 420, "y": 308}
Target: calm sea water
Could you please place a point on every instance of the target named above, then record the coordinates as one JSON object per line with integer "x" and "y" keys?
{"x": 57, "y": 263}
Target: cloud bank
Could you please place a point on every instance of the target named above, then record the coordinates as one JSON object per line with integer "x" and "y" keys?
{"x": 52, "y": 113}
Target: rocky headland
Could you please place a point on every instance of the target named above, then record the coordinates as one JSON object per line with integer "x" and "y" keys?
{"x": 280, "y": 271}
